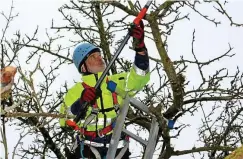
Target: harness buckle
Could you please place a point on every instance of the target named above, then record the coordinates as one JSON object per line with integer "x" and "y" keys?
{"x": 117, "y": 108}
{"x": 95, "y": 111}
{"x": 101, "y": 135}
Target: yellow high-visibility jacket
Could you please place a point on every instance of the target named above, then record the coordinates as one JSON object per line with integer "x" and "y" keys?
{"x": 132, "y": 82}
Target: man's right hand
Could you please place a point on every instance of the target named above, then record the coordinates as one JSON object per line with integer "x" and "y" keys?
{"x": 88, "y": 95}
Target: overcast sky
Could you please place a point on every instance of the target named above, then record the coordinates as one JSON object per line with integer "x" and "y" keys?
{"x": 210, "y": 42}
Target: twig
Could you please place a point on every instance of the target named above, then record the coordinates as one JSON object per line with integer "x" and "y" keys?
{"x": 4, "y": 138}
{"x": 223, "y": 11}
{"x": 18, "y": 142}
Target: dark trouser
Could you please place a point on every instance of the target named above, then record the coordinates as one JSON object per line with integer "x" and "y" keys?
{"x": 87, "y": 153}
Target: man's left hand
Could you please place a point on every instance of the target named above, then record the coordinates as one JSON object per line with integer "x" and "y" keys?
{"x": 137, "y": 33}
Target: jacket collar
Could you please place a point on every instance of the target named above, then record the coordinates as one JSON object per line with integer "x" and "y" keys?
{"x": 90, "y": 79}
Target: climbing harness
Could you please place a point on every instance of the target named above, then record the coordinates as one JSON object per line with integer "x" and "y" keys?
{"x": 123, "y": 145}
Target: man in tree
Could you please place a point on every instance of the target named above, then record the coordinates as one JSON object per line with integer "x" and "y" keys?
{"x": 95, "y": 137}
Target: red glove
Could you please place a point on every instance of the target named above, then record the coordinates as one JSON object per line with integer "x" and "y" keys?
{"x": 137, "y": 32}
{"x": 88, "y": 95}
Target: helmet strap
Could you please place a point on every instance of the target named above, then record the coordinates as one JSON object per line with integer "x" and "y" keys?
{"x": 86, "y": 68}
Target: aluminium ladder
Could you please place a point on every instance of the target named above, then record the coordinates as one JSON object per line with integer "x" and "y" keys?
{"x": 150, "y": 144}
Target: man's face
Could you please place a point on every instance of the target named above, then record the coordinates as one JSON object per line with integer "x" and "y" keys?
{"x": 95, "y": 63}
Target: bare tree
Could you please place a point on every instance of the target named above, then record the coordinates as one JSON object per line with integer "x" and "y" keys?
{"x": 37, "y": 108}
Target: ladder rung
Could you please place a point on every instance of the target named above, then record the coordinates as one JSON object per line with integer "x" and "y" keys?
{"x": 139, "y": 105}
{"x": 137, "y": 138}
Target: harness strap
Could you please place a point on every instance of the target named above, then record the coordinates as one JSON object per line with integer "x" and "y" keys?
{"x": 91, "y": 116}
{"x": 119, "y": 156}
{"x": 108, "y": 109}
{"x": 100, "y": 133}
{"x": 82, "y": 149}
{"x": 123, "y": 151}
{"x": 76, "y": 143}
{"x": 93, "y": 149}
{"x": 95, "y": 152}
{"x": 114, "y": 95}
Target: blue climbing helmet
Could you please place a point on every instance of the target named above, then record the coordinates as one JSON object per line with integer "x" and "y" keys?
{"x": 81, "y": 52}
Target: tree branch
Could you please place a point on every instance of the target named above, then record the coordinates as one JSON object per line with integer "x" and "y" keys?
{"x": 200, "y": 149}
{"x": 21, "y": 114}
{"x": 220, "y": 98}
{"x": 45, "y": 50}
